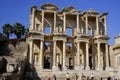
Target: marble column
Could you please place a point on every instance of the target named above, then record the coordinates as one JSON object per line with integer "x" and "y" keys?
{"x": 78, "y": 53}
{"x": 82, "y": 57}
{"x": 87, "y": 56}
{"x": 42, "y": 28}
{"x": 78, "y": 28}
{"x": 98, "y": 53}
{"x": 35, "y": 60}
{"x": 77, "y": 67}
{"x": 31, "y": 52}
{"x": 54, "y": 55}
{"x": 54, "y": 21}
{"x": 41, "y": 54}
{"x": 64, "y": 55}
{"x": 57, "y": 57}
{"x": 86, "y": 22}
{"x": 64, "y": 23}
{"x": 97, "y": 26}
{"x": 33, "y": 18}
{"x": 105, "y": 25}
{"x": 107, "y": 56}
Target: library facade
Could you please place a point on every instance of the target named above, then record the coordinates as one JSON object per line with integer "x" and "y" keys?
{"x": 70, "y": 40}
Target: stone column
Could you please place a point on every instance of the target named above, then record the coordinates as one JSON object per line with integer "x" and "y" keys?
{"x": 107, "y": 56}
{"x": 105, "y": 25}
{"x": 97, "y": 26}
{"x": 57, "y": 57}
{"x": 78, "y": 28}
{"x": 78, "y": 56}
{"x": 54, "y": 55}
{"x": 54, "y": 21}
{"x": 82, "y": 57}
{"x": 98, "y": 53}
{"x": 33, "y": 18}
{"x": 41, "y": 54}
{"x": 78, "y": 53}
{"x": 86, "y": 22}
{"x": 64, "y": 24}
{"x": 87, "y": 57}
{"x": 31, "y": 52}
{"x": 64, "y": 55}
{"x": 42, "y": 27}
{"x": 35, "y": 60}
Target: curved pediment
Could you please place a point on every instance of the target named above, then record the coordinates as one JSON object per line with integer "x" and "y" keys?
{"x": 49, "y": 7}
{"x": 70, "y": 9}
{"x": 91, "y": 11}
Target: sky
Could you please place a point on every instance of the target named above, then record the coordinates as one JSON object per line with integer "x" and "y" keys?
{"x": 12, "y": 11}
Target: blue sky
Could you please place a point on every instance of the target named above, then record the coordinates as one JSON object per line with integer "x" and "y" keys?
{"x": 12, "y": 11}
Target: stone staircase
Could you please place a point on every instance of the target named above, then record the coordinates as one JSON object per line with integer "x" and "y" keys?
{"x": 81, "y": 75}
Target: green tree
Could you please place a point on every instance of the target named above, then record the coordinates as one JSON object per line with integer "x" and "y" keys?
{"x": 7, "y": 30}
{"x": 19, "y": 30}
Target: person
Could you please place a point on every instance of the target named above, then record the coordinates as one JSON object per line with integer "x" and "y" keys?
{"x": 67, "y": 76}
{"x": 48, "y": 78}
{"x": 60, "y": 66}
{"x": 76, "y": 76}
{"x": 54, "y": 77}
{"x": 92, "y": 77}
{"x": 113, "y": 78}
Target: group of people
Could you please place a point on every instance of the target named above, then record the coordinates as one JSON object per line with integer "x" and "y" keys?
{"x": 76, "y": 77}
{"x": 53, "y": 78}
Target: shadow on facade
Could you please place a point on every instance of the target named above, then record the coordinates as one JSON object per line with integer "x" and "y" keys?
{"x": 30, "y": 73}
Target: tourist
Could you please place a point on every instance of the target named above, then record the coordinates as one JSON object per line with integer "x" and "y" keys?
{"x": 88, "y": 78}
{"x": 92, "y": 77}
{"x": 48, "y": 78}
{"x": 113, "y": 78}
{"x": 76, "y": 76}
{"x": 54, "y": 77}
{"x": 67, "y": 76}
{"x": 60, "y": 66}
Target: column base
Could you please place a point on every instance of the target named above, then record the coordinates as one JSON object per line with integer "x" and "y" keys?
{"x": 41, "y": 67}
{"x": 64, "y": 68}
{"x": 107, "y": 68}
{"x": 100, "y": 68}
{"x": 77, "y": 68}
{"x": 54, "y": 68}
{"x": 87, "y": 68}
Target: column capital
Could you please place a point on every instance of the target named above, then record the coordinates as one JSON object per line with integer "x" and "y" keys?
{"x": 41, "y": 39}
{"x": 64, "y": 40}
{"x": 30, "y": 40}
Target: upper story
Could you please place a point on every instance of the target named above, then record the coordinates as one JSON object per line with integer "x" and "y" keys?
{"x": 49, "y": 20}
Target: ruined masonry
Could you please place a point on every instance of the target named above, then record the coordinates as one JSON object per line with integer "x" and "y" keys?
{"x": 70, "y": 41}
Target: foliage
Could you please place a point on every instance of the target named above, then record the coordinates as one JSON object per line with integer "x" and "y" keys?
{"x": 18, "y": 29}
{"x": 7, "y": 30}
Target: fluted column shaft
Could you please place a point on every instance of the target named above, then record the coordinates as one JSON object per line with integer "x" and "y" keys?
{"x": 98, "y": 53}
{"x": 97, "y": 26}
{"x": 64, "y": 54}
{"x": 87, "y": 57}
{"x": 86, "y": 22}
{"x": 41, "y": 54}
{"x": 54, "y": 21}
{"x": 64, "y": 23}
{"x": 42, "y": 28}
{"x": 78, "y": 30}
{"x": 105, "y": 24}
{"x": 54, "y": 55}
{"x": 31, "y": 53}
{"x": 107, "y": 56}
{"x": 78, "y": 53}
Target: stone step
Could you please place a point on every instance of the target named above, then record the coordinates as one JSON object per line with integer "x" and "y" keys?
{"x": 61, "y": 75}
